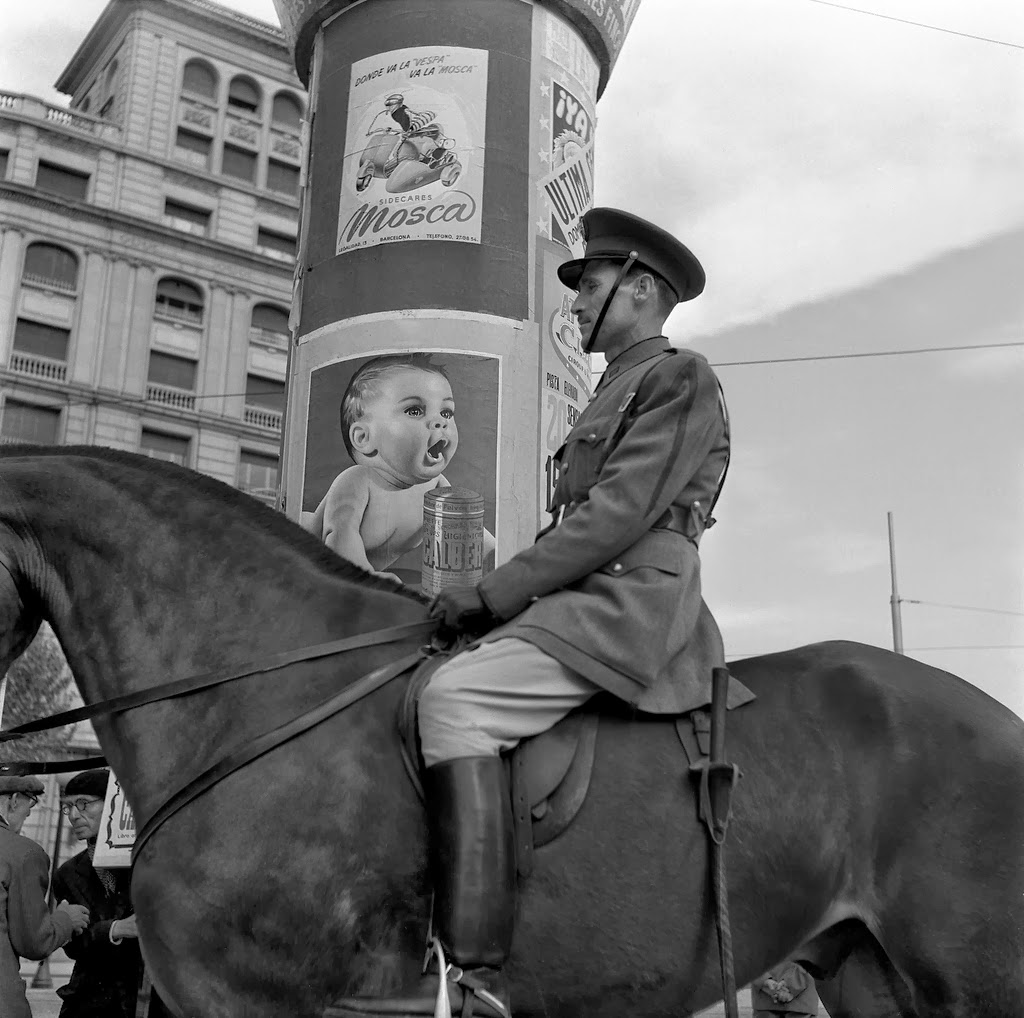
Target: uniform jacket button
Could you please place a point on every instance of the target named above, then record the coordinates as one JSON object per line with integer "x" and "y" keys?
{"x": 592, "y": 436}
{"x": 617, "y": 568}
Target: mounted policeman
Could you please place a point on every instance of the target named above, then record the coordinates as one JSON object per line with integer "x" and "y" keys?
{"x": 608, "y": 598}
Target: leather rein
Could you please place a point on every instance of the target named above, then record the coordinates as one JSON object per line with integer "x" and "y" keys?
{"x": 256, "y": 747}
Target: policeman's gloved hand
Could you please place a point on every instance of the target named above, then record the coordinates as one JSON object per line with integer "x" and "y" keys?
{"x": 462, "y": 610}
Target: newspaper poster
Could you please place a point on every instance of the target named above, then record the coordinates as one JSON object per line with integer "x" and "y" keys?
{"x": 568, "y": 187}
{"x": 414, "y": 148}
{"x": 117, "y": 829}
{"x": 564, "y": 367}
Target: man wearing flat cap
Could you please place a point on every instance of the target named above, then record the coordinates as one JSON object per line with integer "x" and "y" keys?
{"x": 28, "y": 929}
{"x": 607, "y": 598}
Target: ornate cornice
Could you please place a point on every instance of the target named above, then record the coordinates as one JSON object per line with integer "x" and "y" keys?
{"x": 145, "y": 232}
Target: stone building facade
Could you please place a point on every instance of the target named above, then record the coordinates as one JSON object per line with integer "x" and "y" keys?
{"x": 147, "y": 242}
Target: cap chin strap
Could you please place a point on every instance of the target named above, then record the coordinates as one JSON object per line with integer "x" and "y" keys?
{"x": 588, "y": 346}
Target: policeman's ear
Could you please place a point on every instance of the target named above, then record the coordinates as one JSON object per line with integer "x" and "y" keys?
{"x": 645, "y": 287}
{"x": 360, "y": 439}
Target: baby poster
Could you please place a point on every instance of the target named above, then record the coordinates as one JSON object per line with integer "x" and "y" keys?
{"x": 389, "y": 439}
{"x": 414, "y": 147}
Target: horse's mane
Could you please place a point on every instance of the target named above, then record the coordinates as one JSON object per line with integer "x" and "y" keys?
{"x": 272, "y": 522}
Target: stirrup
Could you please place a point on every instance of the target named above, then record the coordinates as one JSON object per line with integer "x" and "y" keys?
{"x": 471, "y": 986}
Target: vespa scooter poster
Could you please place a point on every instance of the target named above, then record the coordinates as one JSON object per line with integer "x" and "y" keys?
{"x": 414, "y": 159}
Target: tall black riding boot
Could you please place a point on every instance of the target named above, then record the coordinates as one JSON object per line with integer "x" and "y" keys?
{"x": 472, "y": 861}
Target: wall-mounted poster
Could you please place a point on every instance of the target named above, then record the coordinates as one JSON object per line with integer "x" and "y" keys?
{"x": 564, "y": 367}
{"x": 397, "y": 439}
{"x": 568, "y": 187}
{"x": 117, "y": 829}
{"x": 414, "y": 147}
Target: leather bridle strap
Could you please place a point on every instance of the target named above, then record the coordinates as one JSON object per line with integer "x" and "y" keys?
{"x": 18, "y": 768}
{"x": 262, "y": 744}
{"x": 207, "y": 680}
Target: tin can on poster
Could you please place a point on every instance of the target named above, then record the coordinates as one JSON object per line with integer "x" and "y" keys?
{"x": 453, "y": 539}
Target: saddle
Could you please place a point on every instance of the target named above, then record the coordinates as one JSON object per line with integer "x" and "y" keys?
{"x": 549, "y": 774}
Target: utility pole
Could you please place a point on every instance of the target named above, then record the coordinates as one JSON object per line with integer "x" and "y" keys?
{"x": 894, "y": 600}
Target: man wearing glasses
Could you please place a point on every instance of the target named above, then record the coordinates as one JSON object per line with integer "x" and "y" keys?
{"x": 108, "y": 964}
{"x": 27, "y": 927}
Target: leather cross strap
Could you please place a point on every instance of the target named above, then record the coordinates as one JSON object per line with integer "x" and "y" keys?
{"x": 18, "y": 768}
{"x": 262, "y": 744}
{"x": 207, "y": 680}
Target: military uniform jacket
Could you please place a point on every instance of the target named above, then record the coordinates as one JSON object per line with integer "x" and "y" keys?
{"x": 27, "y": 927}
{"x": 619, "y": 578}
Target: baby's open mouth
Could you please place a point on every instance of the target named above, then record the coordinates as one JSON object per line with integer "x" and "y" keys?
{"x": 435, "y": 453}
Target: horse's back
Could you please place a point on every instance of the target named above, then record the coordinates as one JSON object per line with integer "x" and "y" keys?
{"x": 872, "y": 786}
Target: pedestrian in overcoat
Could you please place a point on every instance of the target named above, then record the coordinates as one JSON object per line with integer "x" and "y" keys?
{"x": 28, "y": 929}
{"x": 108, "y": 965}
{"x": 608, "y": 598}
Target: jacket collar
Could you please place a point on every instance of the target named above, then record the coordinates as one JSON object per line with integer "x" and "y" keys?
{"x": 636, "y": 354}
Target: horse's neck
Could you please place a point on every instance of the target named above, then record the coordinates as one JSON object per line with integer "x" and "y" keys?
{"x": 137, "y": 599}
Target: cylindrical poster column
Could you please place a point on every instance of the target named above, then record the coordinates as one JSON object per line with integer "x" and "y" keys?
{"x": 450, "y": 158}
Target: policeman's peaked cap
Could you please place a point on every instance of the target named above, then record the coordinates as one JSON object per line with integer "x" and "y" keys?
{"x": 611, "y": 235}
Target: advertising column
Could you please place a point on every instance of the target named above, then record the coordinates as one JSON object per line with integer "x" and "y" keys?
{"x": 435, "y": 366}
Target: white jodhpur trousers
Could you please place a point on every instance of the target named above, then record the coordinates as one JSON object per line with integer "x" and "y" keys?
{"x": 487, "y": 699}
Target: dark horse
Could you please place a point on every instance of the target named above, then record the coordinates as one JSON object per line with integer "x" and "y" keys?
{"x": 879, "y": 821}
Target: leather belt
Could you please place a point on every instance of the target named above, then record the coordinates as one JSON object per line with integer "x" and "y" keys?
{"x": 687, "y": 521}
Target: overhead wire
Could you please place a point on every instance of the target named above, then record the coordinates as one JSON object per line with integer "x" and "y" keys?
{"x": 866, "y": 353}
{"x": 918, "y": 24}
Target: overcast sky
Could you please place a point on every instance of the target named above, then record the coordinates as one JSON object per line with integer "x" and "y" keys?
{"x": 853, "y": 184}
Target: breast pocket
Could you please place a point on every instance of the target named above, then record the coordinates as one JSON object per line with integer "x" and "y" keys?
{"x": 586, "y": 449}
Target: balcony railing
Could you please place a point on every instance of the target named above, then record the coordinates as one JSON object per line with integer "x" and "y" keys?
{"x": 64, "y": 285}
{"x": 268, "y": 495}
{"x": 192, "y": 157}
{"x": 39, "y": 367}
{"x": 185, "y": 225}
{"x": 38, "y": 109}
{"x": 260, "y": 417}
{"x": 173, "y": 314}
{"x": 267, "y": 337}
{"x": 169, "y": 395}
{"x": 273, "y": 252}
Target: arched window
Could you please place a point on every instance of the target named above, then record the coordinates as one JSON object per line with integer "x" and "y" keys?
{"x": 270, "y": 318}
{"x": 200, "y": 79}
{"x": 52, "y": 266}
{"x": 111, "y": 77}
{"x": 287, "y": 111}
{"x": 179, "y": 300}
{"x": 244, "y": 95}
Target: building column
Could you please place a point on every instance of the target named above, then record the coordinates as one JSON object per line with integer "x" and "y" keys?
{"x": 90, "y": 334}
{"x": 114, "y": 348}
{"x": 143, "y": 292}
{"x": 212, "y": 381}
{"x": 237, "y": 349}
{"x": 11, "y": 244}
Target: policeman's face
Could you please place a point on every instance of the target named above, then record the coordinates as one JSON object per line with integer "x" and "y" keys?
{"x": 595, "y": 284}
